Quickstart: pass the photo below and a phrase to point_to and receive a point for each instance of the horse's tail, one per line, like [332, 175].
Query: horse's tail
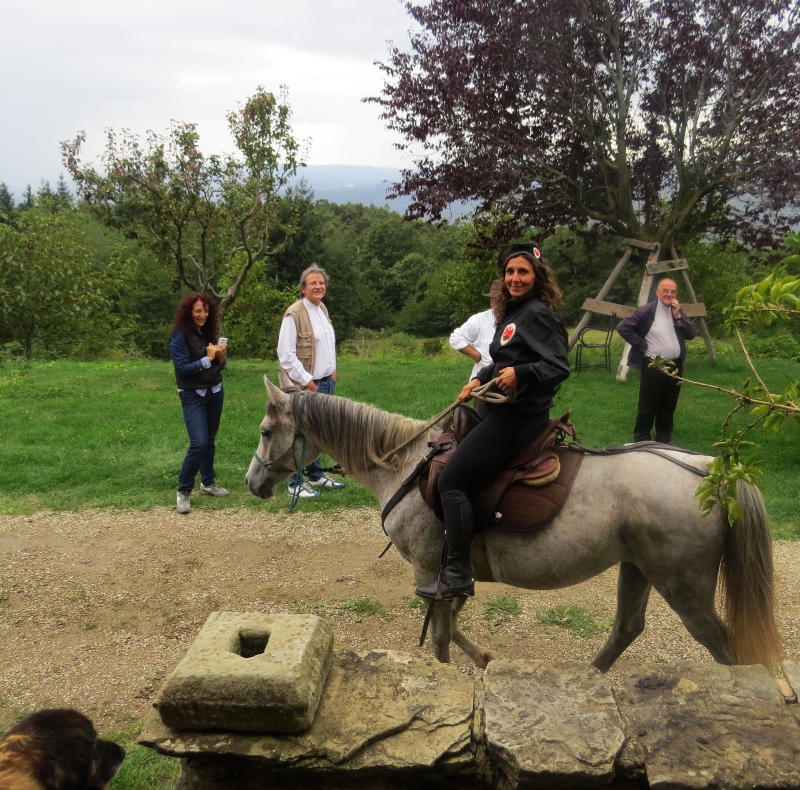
[747, 583]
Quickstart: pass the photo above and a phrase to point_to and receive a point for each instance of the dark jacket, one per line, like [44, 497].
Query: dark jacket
[533, 341]
[187, 352]
[635, 327]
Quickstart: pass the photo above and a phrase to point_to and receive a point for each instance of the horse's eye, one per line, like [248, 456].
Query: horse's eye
[265, 434]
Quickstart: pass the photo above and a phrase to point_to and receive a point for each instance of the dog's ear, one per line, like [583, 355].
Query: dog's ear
[108, 757]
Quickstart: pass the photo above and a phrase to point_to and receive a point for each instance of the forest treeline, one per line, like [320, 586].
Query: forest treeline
[71, 286]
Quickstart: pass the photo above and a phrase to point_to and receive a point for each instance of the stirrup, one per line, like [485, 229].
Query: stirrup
[442, 591]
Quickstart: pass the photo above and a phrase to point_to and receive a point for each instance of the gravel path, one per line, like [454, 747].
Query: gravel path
[96, 607]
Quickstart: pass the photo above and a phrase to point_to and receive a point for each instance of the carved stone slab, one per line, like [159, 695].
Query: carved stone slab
[709, 726]
[399, 713]
[250, 672]
[551, 724]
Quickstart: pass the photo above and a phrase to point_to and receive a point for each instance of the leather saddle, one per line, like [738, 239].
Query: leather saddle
[527, 494]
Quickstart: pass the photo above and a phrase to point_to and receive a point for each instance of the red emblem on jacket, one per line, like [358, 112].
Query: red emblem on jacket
[508, 333]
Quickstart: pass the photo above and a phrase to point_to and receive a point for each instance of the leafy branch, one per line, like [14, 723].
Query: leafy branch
[773, 298]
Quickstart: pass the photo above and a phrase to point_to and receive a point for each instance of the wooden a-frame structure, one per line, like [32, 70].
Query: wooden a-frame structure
[652, 268]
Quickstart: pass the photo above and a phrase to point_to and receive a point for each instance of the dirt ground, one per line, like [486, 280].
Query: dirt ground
[96, 607]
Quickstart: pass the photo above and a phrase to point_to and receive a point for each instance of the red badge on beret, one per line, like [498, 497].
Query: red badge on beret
[536, 253]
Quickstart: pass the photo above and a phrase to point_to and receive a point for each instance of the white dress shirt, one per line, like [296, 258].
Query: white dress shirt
[477, 331]
[324, 346]
[661, 339]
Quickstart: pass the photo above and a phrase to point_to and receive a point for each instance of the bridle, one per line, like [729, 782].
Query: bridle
[298, 436]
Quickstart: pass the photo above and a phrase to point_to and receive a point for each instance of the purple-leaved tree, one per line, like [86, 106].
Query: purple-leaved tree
[662, 120]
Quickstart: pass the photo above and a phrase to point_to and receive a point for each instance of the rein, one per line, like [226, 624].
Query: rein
[479, 393]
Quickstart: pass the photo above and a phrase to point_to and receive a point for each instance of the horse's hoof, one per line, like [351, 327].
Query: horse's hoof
[486, 657]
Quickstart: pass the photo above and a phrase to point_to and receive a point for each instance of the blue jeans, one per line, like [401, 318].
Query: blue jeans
[201, 416]
[313, 471]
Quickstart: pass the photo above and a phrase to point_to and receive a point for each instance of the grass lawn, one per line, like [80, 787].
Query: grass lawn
[102, 434]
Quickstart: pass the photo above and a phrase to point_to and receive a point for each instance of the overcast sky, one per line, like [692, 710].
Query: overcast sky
[71, 65]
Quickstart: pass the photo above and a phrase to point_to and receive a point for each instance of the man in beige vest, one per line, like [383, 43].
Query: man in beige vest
[307, 356]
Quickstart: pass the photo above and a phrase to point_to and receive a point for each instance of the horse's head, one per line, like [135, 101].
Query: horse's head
[280, 447]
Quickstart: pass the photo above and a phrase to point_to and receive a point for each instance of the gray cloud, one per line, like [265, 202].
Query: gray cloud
[138, 64]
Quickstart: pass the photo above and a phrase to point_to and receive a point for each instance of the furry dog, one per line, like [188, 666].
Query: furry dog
[57, 749]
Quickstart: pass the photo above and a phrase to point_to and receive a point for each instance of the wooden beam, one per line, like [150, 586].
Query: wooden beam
[584, 322]
[663, 267]
[644, 298]
[607, 308]
[642, 245]
[598, 306]
[694, 309]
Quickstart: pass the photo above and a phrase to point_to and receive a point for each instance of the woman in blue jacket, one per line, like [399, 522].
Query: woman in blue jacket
[198, 358]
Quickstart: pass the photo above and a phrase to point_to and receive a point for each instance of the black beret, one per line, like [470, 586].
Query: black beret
[524, 248]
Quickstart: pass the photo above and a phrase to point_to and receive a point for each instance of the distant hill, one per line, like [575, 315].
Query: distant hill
[358, 184]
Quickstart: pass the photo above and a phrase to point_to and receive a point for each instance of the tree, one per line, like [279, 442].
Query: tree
[210, 219]
[47, 287]
[773, 299]
[657, 119]
[6, 203]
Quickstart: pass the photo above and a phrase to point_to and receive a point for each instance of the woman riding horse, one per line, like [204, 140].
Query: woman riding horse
[530, 354]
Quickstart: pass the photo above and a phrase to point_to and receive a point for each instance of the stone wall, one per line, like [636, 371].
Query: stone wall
[390, 722]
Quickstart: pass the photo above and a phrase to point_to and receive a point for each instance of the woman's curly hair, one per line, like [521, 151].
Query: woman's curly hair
[183, 317]
[544, 288]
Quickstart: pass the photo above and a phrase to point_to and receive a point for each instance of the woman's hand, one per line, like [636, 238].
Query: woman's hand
[222, 354]
[507, 380]
[466, 391]
[211, 351]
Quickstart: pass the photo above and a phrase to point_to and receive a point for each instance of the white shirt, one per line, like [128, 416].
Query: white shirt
[477, 331]
[661, 339]
[324, 346]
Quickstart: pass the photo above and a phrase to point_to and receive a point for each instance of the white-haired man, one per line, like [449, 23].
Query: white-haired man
[658, 329]
[307, 356]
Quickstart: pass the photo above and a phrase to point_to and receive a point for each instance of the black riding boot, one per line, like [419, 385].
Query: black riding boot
[456, 577]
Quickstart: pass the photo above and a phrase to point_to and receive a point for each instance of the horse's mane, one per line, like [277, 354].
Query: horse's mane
[362, 434]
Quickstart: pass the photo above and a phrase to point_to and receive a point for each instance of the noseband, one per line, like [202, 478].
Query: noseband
[298, 436]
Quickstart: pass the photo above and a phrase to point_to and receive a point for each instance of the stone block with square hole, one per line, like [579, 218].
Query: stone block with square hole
[250, 672]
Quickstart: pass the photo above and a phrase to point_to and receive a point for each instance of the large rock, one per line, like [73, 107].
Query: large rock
[792, 671]
[250, 673]
[709, 726]
[404, 715]
[551, 725]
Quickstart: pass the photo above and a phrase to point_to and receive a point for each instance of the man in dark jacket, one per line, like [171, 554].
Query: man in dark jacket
[659, 329]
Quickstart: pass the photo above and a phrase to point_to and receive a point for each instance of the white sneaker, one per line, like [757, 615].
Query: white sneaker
[304, 491]
[214, 490]
[326, 482]
[184, 505]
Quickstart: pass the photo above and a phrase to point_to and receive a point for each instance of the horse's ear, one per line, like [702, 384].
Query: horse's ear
[277, 396]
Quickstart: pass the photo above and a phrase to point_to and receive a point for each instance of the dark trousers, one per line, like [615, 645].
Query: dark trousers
[486, 449]
[313, 471]
[658, 397]
[202, 416]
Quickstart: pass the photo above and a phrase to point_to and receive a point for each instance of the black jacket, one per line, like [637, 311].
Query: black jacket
[187, 352]
[533, 341]
[635, 327]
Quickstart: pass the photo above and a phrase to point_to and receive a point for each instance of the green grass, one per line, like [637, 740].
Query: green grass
[575, 619]
[502, 607]
[363, 606]
[110, 434]
[144, 768]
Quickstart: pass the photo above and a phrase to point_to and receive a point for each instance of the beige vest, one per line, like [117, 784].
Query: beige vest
[305, 342]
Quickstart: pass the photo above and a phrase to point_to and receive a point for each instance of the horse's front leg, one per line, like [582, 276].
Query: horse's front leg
[480, 656]
[441, 630]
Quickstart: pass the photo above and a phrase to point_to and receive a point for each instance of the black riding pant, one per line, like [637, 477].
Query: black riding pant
[486, 449]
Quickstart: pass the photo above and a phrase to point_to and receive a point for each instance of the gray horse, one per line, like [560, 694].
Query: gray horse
[635, 509]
